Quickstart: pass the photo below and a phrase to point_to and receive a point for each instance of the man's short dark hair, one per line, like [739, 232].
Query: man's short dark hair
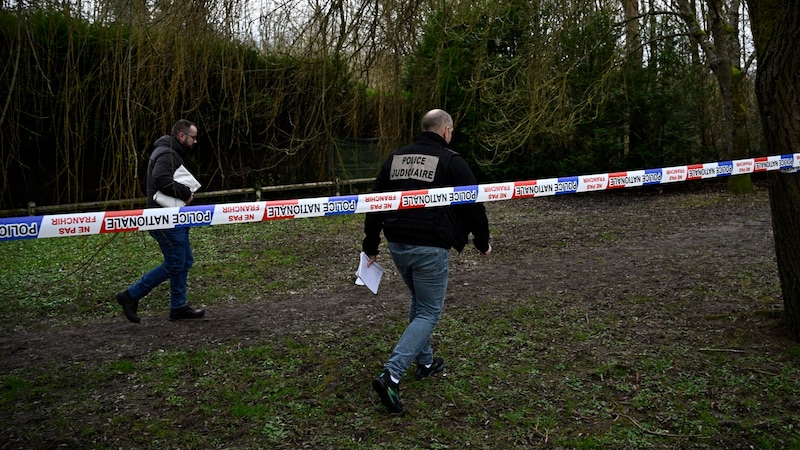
[182, 126]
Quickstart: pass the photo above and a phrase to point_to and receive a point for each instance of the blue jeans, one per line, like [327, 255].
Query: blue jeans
[178, 259]
[425, 271]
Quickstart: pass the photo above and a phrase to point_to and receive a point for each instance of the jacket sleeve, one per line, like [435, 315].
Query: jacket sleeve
[373, 221]
[474, 218]
[373, 224]
[163, 171]
[472, 215]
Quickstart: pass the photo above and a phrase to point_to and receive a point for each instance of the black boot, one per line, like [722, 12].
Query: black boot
[129, 305]
[187, 312]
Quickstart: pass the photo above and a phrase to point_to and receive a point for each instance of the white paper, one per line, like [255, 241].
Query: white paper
[166, 201]
[369, 276]
[184, 177]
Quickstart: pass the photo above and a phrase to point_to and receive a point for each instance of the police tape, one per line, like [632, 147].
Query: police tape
[62, 225]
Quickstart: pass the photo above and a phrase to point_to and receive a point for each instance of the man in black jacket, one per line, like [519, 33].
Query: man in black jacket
[167, 157]
[420, 240]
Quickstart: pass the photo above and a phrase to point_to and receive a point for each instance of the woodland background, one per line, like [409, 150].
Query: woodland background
[303, 90]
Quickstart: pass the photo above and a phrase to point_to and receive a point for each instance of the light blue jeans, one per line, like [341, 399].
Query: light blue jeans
[425, 271]
[178, 259]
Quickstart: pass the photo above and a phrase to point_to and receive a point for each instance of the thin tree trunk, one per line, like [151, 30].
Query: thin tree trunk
[740, 134]
[635, 56]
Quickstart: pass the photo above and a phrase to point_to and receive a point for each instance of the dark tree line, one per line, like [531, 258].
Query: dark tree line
[538, 89]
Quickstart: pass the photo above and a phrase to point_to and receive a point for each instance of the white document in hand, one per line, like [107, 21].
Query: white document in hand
[369, 276]
[184, 177]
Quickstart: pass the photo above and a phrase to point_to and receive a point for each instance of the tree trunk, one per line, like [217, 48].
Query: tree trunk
[741, 184]
[635, 58]
[776, 31]
[724, 57]
[784, 196]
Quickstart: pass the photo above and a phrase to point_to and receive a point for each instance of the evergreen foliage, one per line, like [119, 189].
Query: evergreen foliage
[537, 89]
[542, 92]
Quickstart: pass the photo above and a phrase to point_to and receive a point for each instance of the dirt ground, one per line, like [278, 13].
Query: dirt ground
[685, 246]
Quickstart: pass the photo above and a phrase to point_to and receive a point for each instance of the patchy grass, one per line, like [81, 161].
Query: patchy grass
[545, 349]
[311, 393]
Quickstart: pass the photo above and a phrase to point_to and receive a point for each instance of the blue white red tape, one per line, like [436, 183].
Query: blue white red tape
[62, 225]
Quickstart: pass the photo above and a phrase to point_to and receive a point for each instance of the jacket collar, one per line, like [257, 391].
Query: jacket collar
[431, 136]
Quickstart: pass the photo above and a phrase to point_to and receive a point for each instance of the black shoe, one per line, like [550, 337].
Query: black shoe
[187, 312]
[389, 391]
[129, 305]
[436, 366]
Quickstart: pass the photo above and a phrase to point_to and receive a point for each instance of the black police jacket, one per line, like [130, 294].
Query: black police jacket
[426, 164]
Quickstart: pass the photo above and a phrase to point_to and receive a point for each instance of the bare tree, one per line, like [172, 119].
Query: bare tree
[721, 44]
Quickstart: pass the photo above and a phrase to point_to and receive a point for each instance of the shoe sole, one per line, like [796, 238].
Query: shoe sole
[173, 318]
[386, 401]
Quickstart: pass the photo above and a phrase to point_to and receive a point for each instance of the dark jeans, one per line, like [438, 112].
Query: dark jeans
[178, 259]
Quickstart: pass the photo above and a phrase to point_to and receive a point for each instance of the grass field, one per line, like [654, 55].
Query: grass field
[533, 361]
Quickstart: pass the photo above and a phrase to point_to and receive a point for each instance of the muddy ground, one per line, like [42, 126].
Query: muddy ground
[701, 261]
[686, 244]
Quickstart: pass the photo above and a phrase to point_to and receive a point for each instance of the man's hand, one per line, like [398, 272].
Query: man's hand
[371, 260]
[489, 250]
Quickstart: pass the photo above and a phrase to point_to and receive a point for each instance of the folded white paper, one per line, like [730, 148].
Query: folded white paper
[166, 201]
[369, 276]
[184, 177]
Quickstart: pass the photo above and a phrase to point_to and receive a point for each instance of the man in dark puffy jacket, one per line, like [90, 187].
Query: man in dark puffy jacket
[168, 155]
[420, 240]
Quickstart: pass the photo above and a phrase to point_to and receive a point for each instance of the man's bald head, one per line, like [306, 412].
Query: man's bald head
[438, 121]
